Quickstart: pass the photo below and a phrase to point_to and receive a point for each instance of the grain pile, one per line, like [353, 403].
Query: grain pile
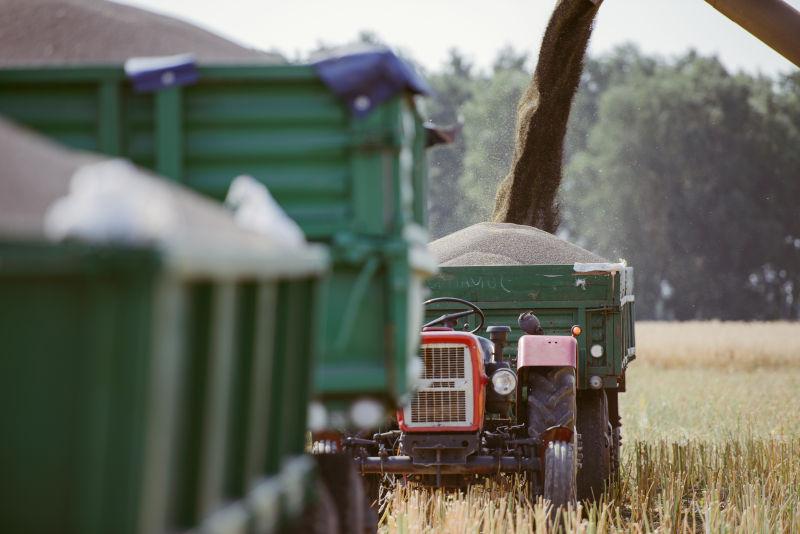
[507, 244]
[42, 32]
[527, 195]
[35, 172]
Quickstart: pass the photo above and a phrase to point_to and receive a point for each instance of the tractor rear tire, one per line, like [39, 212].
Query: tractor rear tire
[559, 474]
[551, 402]
[596, 442]
[551, 399]
[339, 474]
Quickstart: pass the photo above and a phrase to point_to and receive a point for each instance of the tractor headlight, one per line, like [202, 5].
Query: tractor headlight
[596, 351]
[504, 381]
[367, 413]
[317, 417]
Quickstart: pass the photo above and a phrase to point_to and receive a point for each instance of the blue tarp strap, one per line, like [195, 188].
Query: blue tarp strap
[367, 79]
[150, 74]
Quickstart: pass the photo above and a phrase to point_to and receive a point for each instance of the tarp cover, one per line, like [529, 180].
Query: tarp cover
[366, 79]
[507, 244]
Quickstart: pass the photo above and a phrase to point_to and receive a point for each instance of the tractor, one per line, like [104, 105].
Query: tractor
[475, 415]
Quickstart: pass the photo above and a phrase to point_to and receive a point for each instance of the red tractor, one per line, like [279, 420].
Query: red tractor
[474, 415]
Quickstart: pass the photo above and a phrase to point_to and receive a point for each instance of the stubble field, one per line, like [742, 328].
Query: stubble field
[711, 429]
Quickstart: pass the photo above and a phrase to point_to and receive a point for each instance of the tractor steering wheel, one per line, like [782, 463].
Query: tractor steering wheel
[455, 315]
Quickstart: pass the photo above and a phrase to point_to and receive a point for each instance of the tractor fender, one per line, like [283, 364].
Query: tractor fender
[547, 351]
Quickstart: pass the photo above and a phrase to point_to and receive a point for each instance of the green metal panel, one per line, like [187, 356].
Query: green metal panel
[374, 316]
[350, 182]
[169, 153]
[560, 297]
[109, 126]
[280, 124]
[119, 384]
[65, 403]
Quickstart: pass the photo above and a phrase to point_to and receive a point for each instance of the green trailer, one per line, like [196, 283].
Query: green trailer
[599, 299]
[140, 363]
[354, 183]
[135, 384]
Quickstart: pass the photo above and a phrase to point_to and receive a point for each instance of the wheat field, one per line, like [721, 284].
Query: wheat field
[711, 423]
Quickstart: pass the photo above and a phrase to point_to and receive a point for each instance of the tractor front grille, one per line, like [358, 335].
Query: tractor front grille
[443, 362]
[445, 396]
[444, 406]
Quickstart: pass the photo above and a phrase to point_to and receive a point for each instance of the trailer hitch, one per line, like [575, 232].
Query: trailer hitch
[523, 442]
[391, 435]
[475, 465]
[505, 436]
[349, 442]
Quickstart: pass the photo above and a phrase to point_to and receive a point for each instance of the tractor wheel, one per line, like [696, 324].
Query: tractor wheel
[347, 489]
[372, 490]
[551, 399]
[551, 402]
[616, 433]
[320, 517]
[616, 451]
[559, 474]
[596, 441]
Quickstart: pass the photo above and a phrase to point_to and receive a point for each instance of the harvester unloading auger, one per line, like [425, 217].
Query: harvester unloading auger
[528, 194]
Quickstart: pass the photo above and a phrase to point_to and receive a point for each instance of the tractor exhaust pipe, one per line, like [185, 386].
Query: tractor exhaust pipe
[773, 22]
[498, 335]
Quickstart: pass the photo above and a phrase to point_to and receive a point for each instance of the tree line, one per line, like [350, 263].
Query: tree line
[689, 172]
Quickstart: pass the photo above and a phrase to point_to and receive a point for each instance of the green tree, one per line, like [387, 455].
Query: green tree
[686, 173]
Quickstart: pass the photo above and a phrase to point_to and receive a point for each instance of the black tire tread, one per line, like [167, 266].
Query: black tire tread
[596, 440]
[339, 474]
[551, 402]
[372, 491]
[551, 399]
[320, 517]
[559, 474]
[616, 453]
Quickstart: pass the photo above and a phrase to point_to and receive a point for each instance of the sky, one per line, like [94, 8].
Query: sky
[428, 29]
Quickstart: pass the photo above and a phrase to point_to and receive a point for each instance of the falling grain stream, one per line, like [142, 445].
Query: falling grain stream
[527, 195]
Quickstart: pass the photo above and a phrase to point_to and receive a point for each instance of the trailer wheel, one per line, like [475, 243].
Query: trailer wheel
[616, 451]
[320, 517]
[339, 473]
[616, 433]
[559, 474]
[551, 402]
[596, 441]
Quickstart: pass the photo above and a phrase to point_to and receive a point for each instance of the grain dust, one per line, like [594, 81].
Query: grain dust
[507, 244]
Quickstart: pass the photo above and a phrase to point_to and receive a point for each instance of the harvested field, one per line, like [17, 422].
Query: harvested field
[731, 346]
[102, 32]
[507, 244]
[708, 447]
